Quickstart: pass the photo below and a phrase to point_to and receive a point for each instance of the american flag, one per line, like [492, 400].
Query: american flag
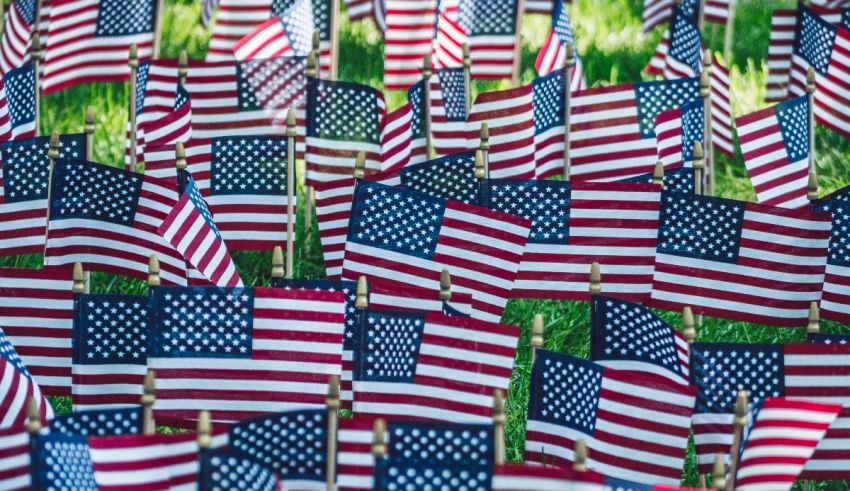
[676, 131]
[810, 372]
[106, 218]
[17, 387]
[173, 127]
[491, 28]
[824, 47]
[835, 304]
[18, 94]
[450, 177]
[684, 51]
[190, 228]
[224, 469]
[445, 367]
[403, 138]
[240, 352]
[99, 422]
[679, 180]
[288, 34]
[783, 26]
[612, 129]
[408, 38]
[17, 33]
[448, 111]
[629, 337]
[418, 453]
[90, 40]
[720, 93]
[449, 38]
[656, 12]
[609, 401]
[737, 260]
[529, 477]
[15, 459]
[355, 462]
[779, 439]
[775, 147]
[343, 119]
[553, 54]
[407, 238]
[109, 350]
[575, 224]
[548, 116]
[62, 461]
[36, 312]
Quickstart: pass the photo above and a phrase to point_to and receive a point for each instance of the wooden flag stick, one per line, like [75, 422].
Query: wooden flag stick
[148, 398]
[317, 49]
[517, 59]
[379, 447]
[445, 285]
[332, 404]
[699, 167]
[499, 420]
[204, 439]
[312, 72]
[537, 328]
[569, 63]
[157, 29]
[595, 279]
[79, 277]
[658, 174]
[153, 272]
[810, 93]
[740, 422]
[182, 67]
[361, 300]
[52, 155]
[278, 270]
[290, 191]
[88, 129]
[360, 165]
[467, 78]
[334, 39]
[813, 326]
[690, 331]
[134, 74]
[708, 147]
[484, 146]
[718, 474]
[36, 61]
[426, 102]
[730, 32]
[480, 175]
[33, 425]
[812, 186]
[580, 457]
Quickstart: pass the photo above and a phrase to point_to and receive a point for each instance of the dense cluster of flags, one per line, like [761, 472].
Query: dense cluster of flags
[431, 217]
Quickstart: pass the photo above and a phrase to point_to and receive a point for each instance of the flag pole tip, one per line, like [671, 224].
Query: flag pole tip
[362, 299]
[277, 262]
[658, 173]
[445, 285]
[153, 271]
[595, 279]
[79, 278]
[537, 327]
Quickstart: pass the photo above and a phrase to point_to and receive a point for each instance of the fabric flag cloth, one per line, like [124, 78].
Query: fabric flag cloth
[173, 127]
[225, 469]
[717, 11]
[403, 139]
[676, 132]
[736, 260]
[609, 400]
[450, 177]
[62, 461]
[15, 459]
[575, 224]
[720, 95]
[629, 337]
[679, 180]
[190, 228]
[17, 386]
[106, 218]
[683, 57]
[17, 101]
[343, 119]
[656, 12]
[36, 312]
[529, 477]
[540, 6]
[553, 54]
[90, 41]
[826, 48]
[836, 287]
[612, 129]
[408, 38]
[208, 8]
[448, 111]
[288, 34]
[23, 190]
[778, 440]
[17, 33]
[407, 238]
[99, 422]
[783, 26]
[255, 350]
[812, 372]
[775, 147]
[490, 27]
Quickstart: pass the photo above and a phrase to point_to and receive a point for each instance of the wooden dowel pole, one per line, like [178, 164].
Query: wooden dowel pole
[361, 300]
[157, 29]
[332, 404]
[699, 168]
[740, 421]
[148, 399]
[35, 55]
[133, 133]
[689, 325]
[290, 192]
[379, 447]
[445, 285]
[499, 420]
[79, 277]
[570, 62]
[537, 333]
[580, 457]
[708, 146]
[730, 32]
[517, 59]
[810, 94]
[52, 155]
[88, 129]
[312, 72]
[182, 68]
[334, 41]
[467, 79]
[718, 474]
[595, 279]
[658, 174]
[484, 146]
[33, 425]
[153, 272]
[278, 270]
[426, 103]
[813, 326]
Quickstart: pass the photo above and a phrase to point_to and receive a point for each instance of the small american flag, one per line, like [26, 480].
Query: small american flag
[775, 147]
[106, 218]
[684, 52]
[450, 177]
[240, 352]
[835, 302]
[491, 28]
[575, 224]
[783, 25]
[17, 388]
[779, 439]
[355, 462]
[553, 54]
[224, 469]
[509, 115]
[530, 477]
[15, 459]
[559, 413]
[448, 111]
[62, 462]
[36, 312]
[343, 119]
[170, 128]
[548, 116]
[403, 139]
[613, 128]
[15, 43]
[629, 337]
[17, 92]
[109, 350]
[676, 131]
[408, 38]
[288, 34]
[737, 260]
[190, 228]
[90, 40]
[99, 422]
[407, 238]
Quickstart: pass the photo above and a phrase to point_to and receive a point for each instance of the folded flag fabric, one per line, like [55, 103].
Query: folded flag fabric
[173, 127]
[657, 12]
[408, 38]
[17, 34]
[783, 25]
[450, 177]
[448, 111]
[490, 29]
[289, 33]
[573, 399]
[18, 386]
[834, 301]
[676, 132]
[15, 459]
[403, 139]
[553, 54]
[17, 103]
[737, 260]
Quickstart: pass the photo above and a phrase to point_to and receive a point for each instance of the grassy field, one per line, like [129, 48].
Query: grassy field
[613, 49]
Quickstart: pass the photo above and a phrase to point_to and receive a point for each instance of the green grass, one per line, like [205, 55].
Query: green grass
[613, 49]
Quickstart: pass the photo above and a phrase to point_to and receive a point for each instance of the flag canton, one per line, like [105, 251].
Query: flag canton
[297, 22]
[293, 444]
[561, 24]
[719, 371]
[274, 83]
[453, 91]
[700, 227]
[450, 177]
[348, 288]
[225, 471]
[689, 9]
[20, 95]
[180, 97]
[453, 312]
[548, 101]
[486, 17]
[111, 329]
[685, 42]
[344, 111]
[628, 331]
[659, 96]
[679, 180]
[125, 17]
[612, 484]
[389, 347]
[141, 85]
[545, 203]
[839, 240]
[249, 165]
[397, 220]
[845, 18]
[793, 118]
[202, 322]
[565, 391]
[27, 10]
[692, 128]
[8, 353]
[197, 200]
[842, 194]
[87, 190]
[322, 18]
[815, 39]
[842, 339]
[26, 166]
[99, 422]
[63, 462]
[417, 111]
